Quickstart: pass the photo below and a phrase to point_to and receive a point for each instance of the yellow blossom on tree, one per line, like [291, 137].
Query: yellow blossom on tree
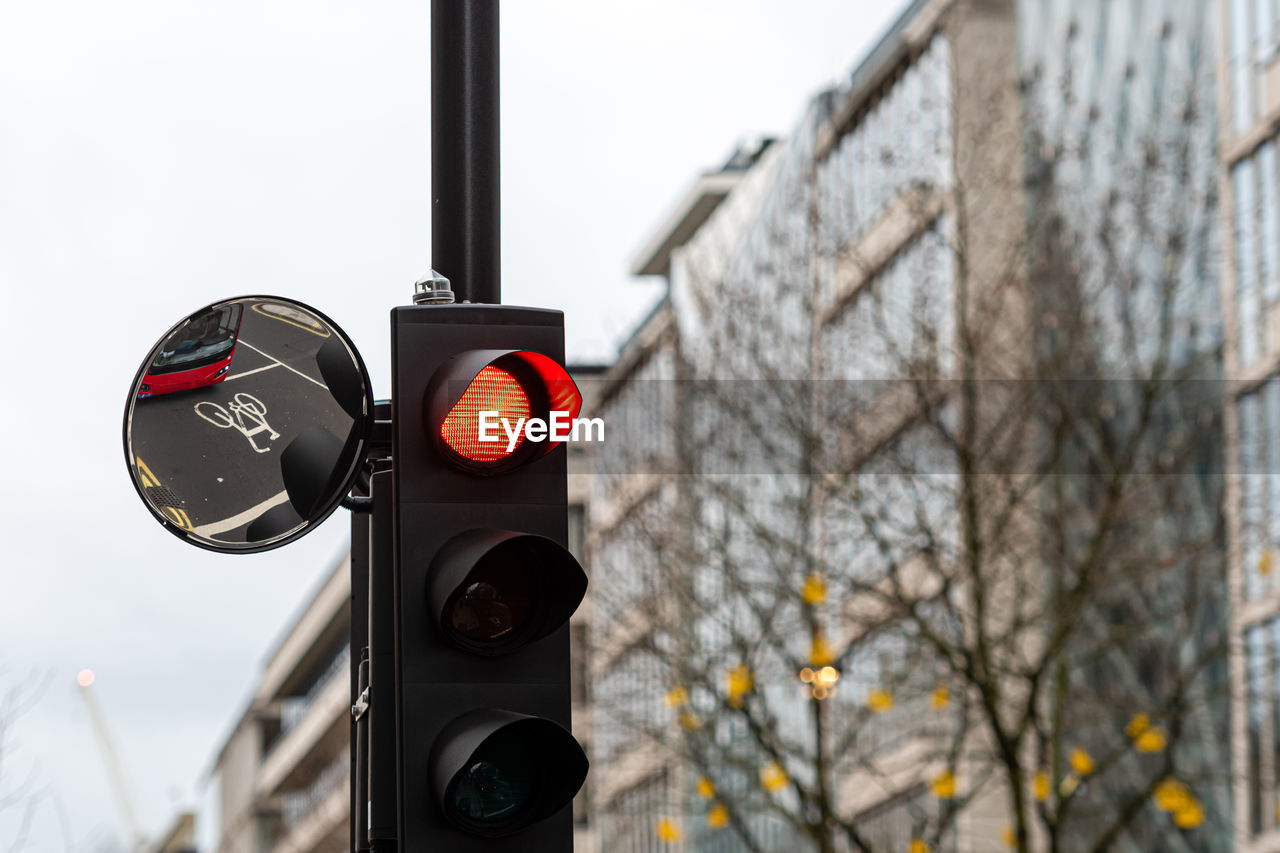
[773, 777]
[814, 589]
[676, 697]
[918, 846]
[1189, 815]
[1137, 724]
[1081, 762]
[944, 785]
[1264, 563]
[879, 700]
[706, 789]
[1171, 795]
[718, 817]
[941, 697]
[821, 653]
[668, 832]
[1152, 740]
[1009, 837]
[740, 683]
[1146, 738]
[688, 721]
[1040, 786]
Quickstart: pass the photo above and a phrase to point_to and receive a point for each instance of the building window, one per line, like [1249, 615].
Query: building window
[578, 532]
[1264, 29]
[1252, 497]
[1262, 722]
[1249, 331]
[580, 662]
[1259, 477]
[1242, 76]
[1269, 195]
[896, 823]
[632, 817]
[582, 801]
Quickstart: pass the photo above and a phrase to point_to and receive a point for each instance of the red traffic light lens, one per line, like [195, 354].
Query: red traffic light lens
[493, 390]
[523, 390]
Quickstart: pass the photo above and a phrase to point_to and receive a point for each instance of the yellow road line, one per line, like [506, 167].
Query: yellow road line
[317, 329]
[149, 480]
[179, 517]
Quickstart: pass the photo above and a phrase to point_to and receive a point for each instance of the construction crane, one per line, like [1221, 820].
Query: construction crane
[111, 759]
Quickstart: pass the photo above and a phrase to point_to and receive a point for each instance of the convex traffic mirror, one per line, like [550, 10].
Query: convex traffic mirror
[247, 423]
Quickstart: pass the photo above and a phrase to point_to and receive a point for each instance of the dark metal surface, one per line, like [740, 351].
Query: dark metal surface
[383, 753]
[465, 222]
[359, 673]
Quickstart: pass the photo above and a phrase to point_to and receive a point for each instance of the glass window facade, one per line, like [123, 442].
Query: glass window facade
[894, 825]
[1253, 28]
[1243, 99]
[1121, 101]
[1269, 221]
[1122, 59]
[1262, 672]
[878, 160]
[902, 319]
[1255, 207]
[1244, 189]
[1259, 477]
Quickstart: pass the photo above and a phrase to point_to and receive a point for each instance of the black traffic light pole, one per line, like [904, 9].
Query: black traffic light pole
[484, 584]
[465, 247]
[470, 581]
[465, 220]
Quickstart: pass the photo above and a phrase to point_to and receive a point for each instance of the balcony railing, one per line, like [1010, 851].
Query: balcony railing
[297, 806]
[293, 709]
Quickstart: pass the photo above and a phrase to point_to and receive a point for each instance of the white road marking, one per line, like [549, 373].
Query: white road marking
[251, 372]
[245, 407]
[282, 364]
[216, 527]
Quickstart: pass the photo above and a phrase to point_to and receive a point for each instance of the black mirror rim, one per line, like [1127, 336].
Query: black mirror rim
[363, 425]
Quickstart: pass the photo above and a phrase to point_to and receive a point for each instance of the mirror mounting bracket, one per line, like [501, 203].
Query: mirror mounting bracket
[377, 452]
[357, 503]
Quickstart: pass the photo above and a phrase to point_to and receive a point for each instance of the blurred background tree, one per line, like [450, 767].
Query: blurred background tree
[910, 532]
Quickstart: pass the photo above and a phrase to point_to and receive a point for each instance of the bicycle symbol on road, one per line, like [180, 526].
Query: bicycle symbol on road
[245, 407]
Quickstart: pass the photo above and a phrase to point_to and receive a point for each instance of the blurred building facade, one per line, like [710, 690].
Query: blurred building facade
[863, 203]
[282, 776]
[1249, 119]
[178, 837]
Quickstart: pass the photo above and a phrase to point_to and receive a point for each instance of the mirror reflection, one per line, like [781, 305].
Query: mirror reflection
[246, 423]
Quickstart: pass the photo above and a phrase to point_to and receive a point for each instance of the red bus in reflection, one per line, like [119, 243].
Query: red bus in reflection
[198, 354]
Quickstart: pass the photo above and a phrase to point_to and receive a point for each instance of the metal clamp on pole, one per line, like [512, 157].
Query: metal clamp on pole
[361, 705]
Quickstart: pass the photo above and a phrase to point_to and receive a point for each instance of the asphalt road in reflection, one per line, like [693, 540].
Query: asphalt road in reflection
[211, 456]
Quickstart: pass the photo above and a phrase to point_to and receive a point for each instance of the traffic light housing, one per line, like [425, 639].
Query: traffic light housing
[485, 584]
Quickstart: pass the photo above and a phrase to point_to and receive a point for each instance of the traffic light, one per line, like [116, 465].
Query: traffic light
[485, 584]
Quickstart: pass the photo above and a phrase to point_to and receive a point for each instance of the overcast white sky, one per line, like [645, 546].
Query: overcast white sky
[157, 156]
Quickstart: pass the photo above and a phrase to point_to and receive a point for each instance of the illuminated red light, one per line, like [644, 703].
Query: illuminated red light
[493, 390]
